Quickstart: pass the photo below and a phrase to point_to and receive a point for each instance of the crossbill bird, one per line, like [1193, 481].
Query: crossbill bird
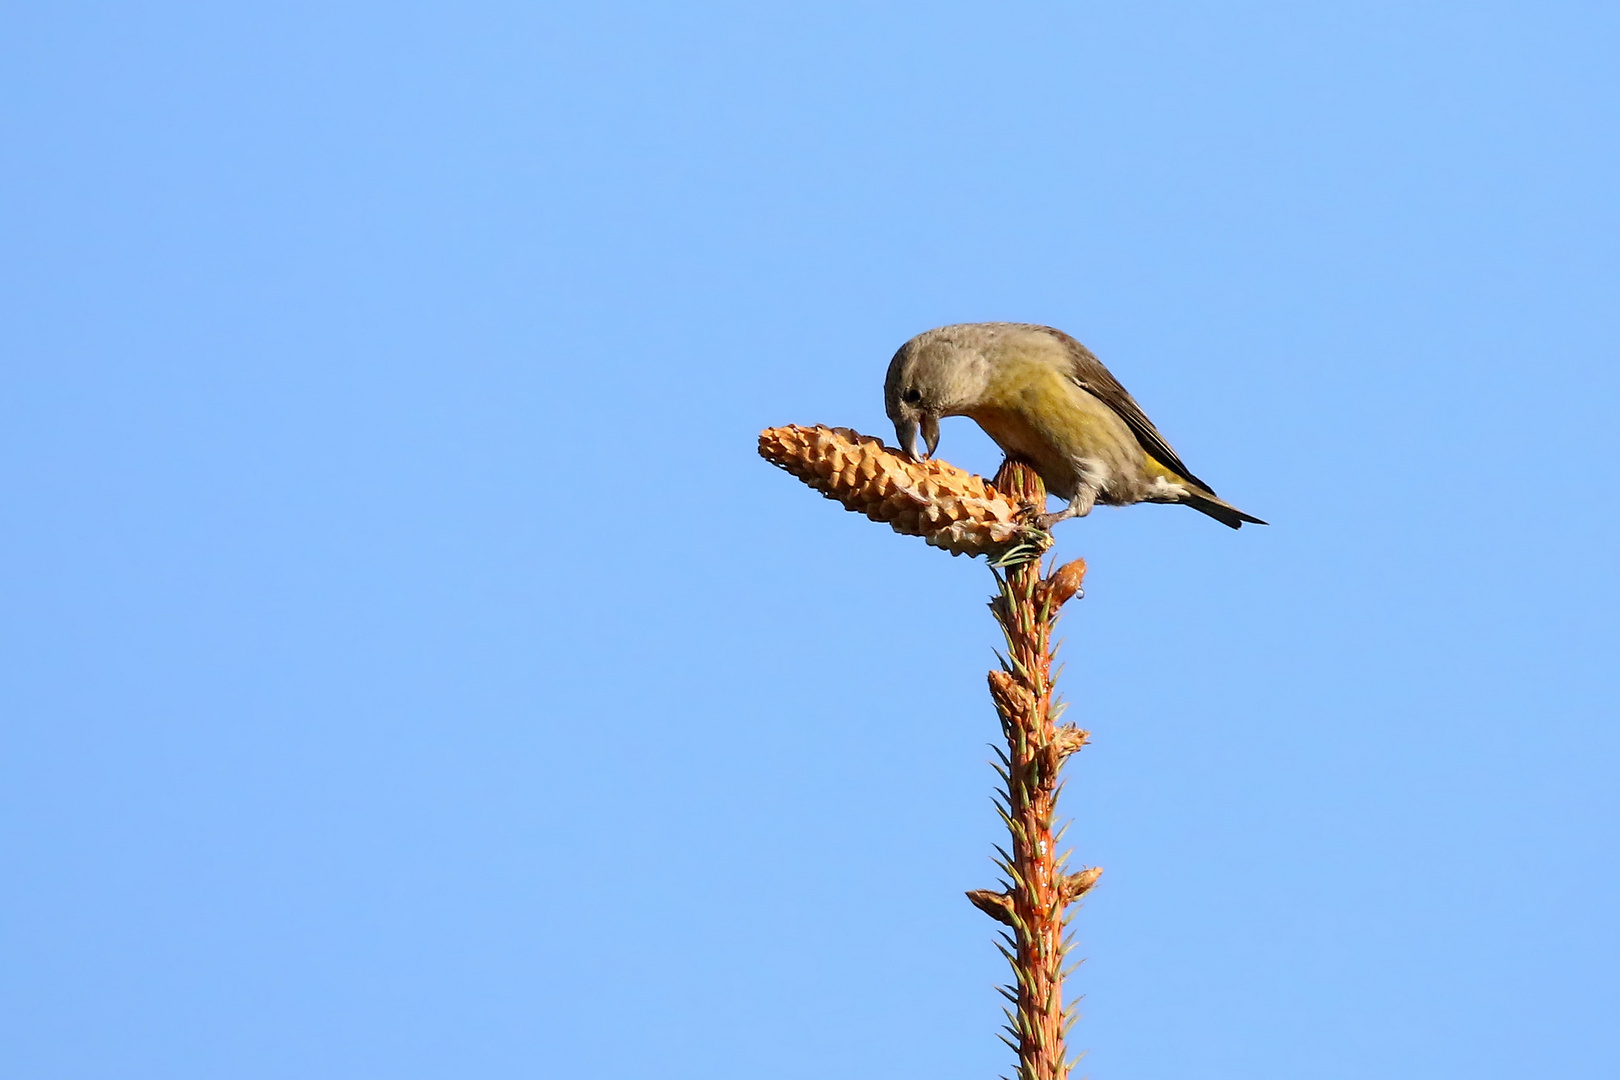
[1044, 398]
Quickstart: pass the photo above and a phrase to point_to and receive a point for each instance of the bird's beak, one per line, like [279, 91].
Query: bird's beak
[930, 432]
[905, 432]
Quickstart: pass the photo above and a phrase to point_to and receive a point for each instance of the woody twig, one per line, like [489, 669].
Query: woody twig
[1037, 888]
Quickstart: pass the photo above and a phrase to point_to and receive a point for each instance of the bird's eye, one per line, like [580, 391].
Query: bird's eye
[912, 396]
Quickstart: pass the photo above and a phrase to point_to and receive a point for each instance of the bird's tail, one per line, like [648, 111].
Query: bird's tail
[1224, 512]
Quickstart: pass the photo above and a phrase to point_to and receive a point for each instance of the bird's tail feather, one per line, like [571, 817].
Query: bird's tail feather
[1221, 511]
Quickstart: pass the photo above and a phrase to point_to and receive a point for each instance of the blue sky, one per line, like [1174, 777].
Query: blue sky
[410, 670]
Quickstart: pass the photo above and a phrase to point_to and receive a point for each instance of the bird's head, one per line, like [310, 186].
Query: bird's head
[940, 373]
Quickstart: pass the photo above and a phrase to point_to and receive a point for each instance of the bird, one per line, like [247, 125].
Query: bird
[1047, 400]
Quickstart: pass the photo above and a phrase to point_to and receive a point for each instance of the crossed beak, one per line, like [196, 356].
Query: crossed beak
[905, 430]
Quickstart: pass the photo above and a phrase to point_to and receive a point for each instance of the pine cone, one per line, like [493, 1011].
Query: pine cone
[944, 505]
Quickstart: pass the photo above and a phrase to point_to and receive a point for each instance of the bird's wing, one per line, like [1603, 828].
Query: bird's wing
[1099, 382]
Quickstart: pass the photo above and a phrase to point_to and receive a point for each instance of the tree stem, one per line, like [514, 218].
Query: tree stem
[1037, 888]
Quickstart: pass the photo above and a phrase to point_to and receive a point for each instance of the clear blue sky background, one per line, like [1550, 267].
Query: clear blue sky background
[410, 670]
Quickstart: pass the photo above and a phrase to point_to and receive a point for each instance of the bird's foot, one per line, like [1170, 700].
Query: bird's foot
[1080, 506]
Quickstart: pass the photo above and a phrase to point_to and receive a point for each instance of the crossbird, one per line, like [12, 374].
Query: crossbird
[1045, 399]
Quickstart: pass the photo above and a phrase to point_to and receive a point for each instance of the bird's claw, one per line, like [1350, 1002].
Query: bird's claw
[1080, 506]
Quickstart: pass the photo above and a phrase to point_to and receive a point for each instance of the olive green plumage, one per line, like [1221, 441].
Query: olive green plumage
[1045, 398]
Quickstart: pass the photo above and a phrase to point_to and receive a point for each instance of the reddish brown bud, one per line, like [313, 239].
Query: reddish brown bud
[1012, 701]
[1065, 582]
[1068, 738]
[1065, 741]
[994, 904]
[1074, 886]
